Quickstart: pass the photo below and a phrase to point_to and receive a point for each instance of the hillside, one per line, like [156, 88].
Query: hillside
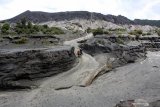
[148, 22]
[39, 17]
[66, 59]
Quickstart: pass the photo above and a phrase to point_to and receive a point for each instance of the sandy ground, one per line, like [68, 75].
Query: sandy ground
[140, 80]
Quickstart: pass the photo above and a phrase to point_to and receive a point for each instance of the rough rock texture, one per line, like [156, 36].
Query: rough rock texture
[138, 103]
[117, 53]
[27, 65]
[150, 42]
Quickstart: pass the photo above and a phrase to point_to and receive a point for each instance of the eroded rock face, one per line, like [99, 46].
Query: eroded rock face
[121, 53]
[20, 65]
[151, 43]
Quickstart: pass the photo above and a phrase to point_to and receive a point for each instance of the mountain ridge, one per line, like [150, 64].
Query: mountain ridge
[39, 17]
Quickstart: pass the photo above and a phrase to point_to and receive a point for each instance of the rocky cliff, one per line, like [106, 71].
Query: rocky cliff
[116, 53]
[21, 67]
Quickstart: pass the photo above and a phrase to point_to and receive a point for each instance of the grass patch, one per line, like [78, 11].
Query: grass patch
[119, 40]
[56, 30]
[98, 31]
[118, 29]
[136, 32]
[22, 40]
[158, 31]
[148, 33]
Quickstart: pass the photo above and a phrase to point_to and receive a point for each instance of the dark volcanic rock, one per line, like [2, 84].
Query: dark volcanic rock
[29, 65]
[138, 103]
[155, 103]
[122, 53]
[151, 43]
[128, 103]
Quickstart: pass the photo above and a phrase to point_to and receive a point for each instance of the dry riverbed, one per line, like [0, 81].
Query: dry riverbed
[140, 80]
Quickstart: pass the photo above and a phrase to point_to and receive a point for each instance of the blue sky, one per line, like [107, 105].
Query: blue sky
[142, 9]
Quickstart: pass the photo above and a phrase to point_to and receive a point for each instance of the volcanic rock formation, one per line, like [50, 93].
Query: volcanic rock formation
[117, 54]
[19, 67]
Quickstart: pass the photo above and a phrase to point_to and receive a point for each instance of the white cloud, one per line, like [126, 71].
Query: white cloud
[147, 12]
[130, 8]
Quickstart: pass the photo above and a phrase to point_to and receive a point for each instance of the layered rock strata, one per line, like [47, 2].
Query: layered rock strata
[21, 66]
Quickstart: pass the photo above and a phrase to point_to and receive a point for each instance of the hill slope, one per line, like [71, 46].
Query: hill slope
[38, 17]
[148, 22]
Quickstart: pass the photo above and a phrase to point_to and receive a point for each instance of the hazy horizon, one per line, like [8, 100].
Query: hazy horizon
[132, 9]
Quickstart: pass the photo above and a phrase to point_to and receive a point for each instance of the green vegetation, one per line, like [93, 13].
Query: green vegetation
[22, 40]
[26, 27]
[98, 31]
[118, 29]
[101, 42]
[136, 32]
[89, 30]
[56, 30]
[50, 30]
[158, 32]
[120, 40]
[5, 28]
[144, 34]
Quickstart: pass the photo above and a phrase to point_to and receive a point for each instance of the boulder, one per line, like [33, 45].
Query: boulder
[138, 103]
